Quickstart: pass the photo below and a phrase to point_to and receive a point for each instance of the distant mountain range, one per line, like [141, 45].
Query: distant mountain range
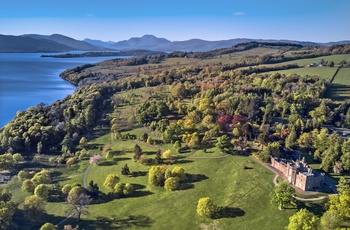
[31, 43]
[61, 43]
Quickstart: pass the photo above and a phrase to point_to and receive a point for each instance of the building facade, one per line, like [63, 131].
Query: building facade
[299, 173]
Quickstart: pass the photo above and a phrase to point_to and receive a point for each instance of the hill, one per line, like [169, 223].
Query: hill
[99, 43]
[64, 40]
[150, 42]
[13, 44]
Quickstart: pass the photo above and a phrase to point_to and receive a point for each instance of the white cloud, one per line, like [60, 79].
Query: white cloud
[239, 13]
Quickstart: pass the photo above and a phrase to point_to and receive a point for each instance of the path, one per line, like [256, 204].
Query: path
[279, 174]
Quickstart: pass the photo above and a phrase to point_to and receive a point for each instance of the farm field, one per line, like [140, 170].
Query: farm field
[323, 72]
[340, 88]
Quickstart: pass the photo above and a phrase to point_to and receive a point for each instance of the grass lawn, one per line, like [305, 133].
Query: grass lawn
[340, 88]
[245, 192]
[322, 72]
[224, 180]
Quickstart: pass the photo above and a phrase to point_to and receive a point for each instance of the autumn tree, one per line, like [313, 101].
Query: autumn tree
[206, 207]
[110, 181]
[283, 194]
[172, 183]
[156, 175]
[65, 189]
[83, 142]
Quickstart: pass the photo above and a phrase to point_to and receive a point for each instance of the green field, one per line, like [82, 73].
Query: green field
[335, 58]
[323, 72]
[245, 191]
[340, 89]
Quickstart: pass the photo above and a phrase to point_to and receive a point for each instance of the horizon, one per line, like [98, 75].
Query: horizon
[106, 41]
[106, 20]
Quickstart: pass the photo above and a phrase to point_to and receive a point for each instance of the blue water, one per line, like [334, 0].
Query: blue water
[26, 80]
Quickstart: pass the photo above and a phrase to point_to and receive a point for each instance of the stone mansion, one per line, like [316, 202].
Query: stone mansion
[299, 173]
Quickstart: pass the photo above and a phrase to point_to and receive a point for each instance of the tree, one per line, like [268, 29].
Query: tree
[303, 220]
[83, 142]
[118, 189]
[167, 154]
[42, 177]
[291, 139]
[158, 158]
[42, 191]
[65, 189]
[283, 194]
[343, 186]
[179, 91]
[93, 189]
[341, 204]
[22, 175]
[5, 195]
[330, 220]
[32, 206]
[172, 183]
[111, 180]
[17, 157]
[194, 141]
[125, 170]
[94, 159]
[7, 210]
[128, 189]
[179, 172]
[137, 152]
[39, 147]
[78, 202]
[223, 143]
[28, 185]
[206, 207]
[48, 226]
[155, 176]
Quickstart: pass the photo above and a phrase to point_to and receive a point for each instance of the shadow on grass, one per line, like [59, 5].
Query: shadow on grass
[196, 177]
[138, 186]
[121, 158]
[114, 222]
[106, 163]
[138, 173]
[185, 186]
[182, 161]
[229, 212]
[316, 208]
[139, 193]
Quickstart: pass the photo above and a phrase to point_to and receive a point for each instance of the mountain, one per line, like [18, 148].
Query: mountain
[64, 40]
[150, 42]
[98, 43]
[20, 44]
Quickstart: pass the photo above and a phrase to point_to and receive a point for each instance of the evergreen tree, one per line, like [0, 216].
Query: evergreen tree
[125, 170]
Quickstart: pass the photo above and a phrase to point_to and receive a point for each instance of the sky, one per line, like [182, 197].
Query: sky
[178, 20]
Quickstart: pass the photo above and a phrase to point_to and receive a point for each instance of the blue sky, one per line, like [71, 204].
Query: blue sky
[307, 20]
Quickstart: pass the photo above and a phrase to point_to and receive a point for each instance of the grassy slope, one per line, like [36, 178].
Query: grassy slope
[323, 72]
[228, 184]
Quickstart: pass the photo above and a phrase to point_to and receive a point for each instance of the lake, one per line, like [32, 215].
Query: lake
[26, 79]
